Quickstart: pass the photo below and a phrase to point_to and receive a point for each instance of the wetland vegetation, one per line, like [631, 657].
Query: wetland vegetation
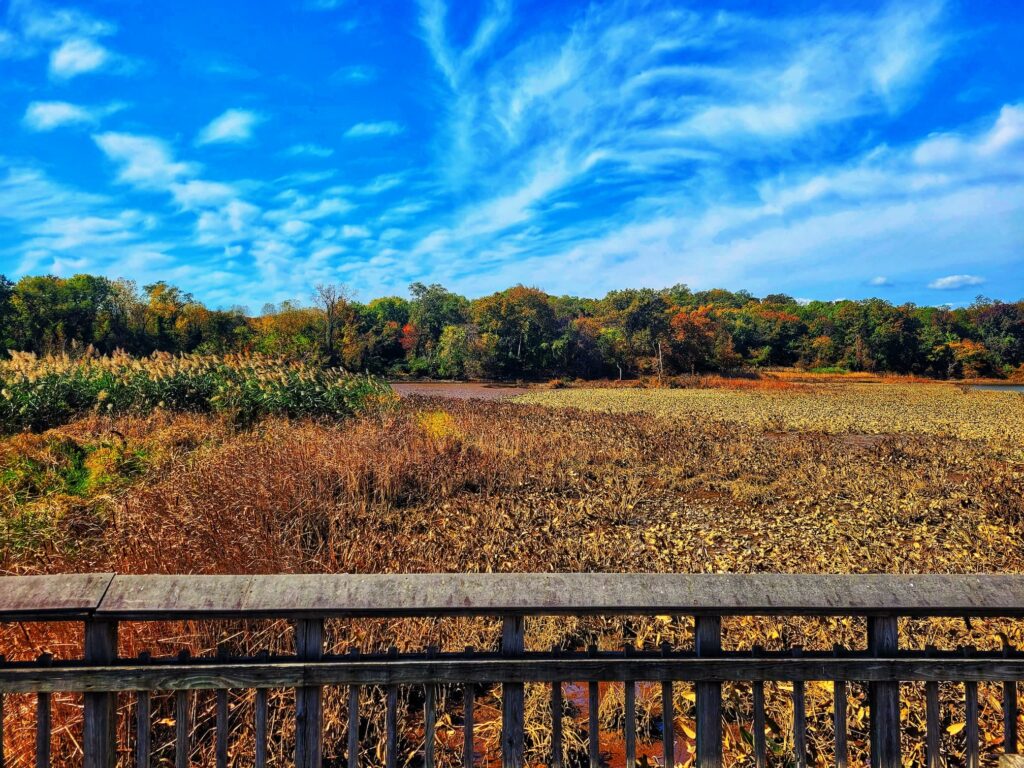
[787, 472]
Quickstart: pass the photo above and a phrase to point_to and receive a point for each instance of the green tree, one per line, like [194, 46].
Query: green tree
[522, 324]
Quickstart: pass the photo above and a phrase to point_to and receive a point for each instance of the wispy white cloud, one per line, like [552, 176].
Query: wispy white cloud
[955, 282]
[613, 121]
[350, 230]
[39, 21]
[356, 73]
[73, 232]
[231, 127]
[367, 130]
[309, 150]
[8, 44]
[76, 56]
[143, 161]
[198, 193]
[47, 115]
[603, 144]
[455, 63]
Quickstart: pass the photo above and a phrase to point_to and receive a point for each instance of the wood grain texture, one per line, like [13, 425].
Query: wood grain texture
[353, 726]
[309, 646]
[760, 739]
[839, 701]
[143, 732]
[391, 728]
[468, 745]
[557, 706]
[429, 724]
[884, 696]
[3, 753]
[668, 718]
[1011, 710]
[933, 719]
[799, 725]
[513, 726]
[322, 595]
[594, 724]
[972, 745]
[221, 749]
[99, 738]
[261, 728]
[46, 598]
[707, 636]
[290, 674]
[182, 729]
[629, 696]
[43, 720]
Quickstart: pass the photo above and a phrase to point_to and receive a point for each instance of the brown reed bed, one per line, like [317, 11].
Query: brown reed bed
[443, 485]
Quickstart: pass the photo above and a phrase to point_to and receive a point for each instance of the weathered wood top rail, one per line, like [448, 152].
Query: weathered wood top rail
[110, 597]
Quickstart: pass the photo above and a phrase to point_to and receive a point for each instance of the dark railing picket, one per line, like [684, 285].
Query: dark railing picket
[100, 737]
[1010, 708]
[556, 724]
[839, 694]
[760, 745]
[839, 723]
[353, 718]
[143, 722]
[513, 730]
[468, 744]
[391, 727]
[221, 749]
[3, 754]
[708, 642]
[309, 646]
[799, 721]
[43, 719]
[668, 736]
[429, 724]
[972, 755]
[933, 720]
[884, 697]
[629, 697]
[142, 729]
[182, 726]
[260, 724]
[594, 723]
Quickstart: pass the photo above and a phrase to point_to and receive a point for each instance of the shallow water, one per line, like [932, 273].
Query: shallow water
[999, 387]
[460, 390]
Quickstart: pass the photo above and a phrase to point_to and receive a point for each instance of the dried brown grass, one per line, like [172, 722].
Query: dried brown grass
[473, 486]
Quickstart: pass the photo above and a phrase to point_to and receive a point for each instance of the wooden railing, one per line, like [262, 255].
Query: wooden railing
[102, 601]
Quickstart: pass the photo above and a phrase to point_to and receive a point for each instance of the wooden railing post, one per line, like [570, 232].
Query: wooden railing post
[513, 746]
[100, 737]
[884, 698]
[708, 642]
[309, 646]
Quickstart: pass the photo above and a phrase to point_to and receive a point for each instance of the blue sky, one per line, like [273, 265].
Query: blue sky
[247, 151]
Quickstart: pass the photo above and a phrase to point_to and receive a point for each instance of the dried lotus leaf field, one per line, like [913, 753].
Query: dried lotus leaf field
[866, 407]
[847, 478]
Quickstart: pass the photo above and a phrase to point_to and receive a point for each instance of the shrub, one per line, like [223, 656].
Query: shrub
[40, 393]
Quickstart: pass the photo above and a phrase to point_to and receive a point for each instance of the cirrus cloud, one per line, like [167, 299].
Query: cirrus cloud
[231, 127]
[368, 130]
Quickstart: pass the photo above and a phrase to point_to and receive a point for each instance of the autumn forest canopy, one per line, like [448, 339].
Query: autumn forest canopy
[521, 332]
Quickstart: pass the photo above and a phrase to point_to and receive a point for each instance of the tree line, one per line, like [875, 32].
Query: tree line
[522, 332]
